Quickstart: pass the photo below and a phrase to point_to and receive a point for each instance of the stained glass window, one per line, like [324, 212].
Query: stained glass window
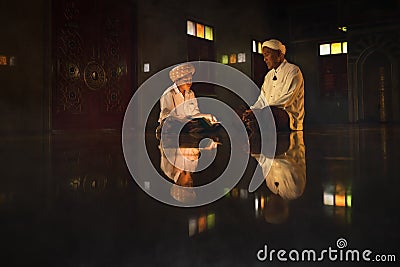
[338, 198]
[257, 46]
[333, 48]
[200, 30]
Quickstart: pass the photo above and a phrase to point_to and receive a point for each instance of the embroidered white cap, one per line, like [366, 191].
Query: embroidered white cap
[181, 71]
[275, 44]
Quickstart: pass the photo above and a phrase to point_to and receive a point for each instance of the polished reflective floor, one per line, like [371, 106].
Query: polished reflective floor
[68, 199]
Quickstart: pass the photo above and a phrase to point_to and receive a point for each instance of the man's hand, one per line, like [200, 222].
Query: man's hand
[211, 118]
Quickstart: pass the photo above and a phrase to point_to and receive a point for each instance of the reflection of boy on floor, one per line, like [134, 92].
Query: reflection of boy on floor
[178, 164]
[179, 104]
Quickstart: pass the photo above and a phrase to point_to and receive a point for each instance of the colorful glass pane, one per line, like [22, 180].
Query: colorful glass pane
[209, 33]
[340, 200]
[199, 30]
[348, 200]
[324, 49]
[344, 47]
[192, 227]
[191, 29]
[3, 60]
[241, 57]
[328, 199]
[254, 46]
[210, 221]
[232, 59]
[146, 67]
[225, 59]
[202, 224]
[259, 47]
[262, 202]
[336, 48]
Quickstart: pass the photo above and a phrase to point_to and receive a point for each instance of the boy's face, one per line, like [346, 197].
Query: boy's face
[185, 82]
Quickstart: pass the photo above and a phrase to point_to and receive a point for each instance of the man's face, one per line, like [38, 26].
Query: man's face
[185, 82]
[273, 58]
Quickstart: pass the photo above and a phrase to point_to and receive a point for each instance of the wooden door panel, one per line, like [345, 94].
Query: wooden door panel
[259, 69]
[201, 50]
[92, 62]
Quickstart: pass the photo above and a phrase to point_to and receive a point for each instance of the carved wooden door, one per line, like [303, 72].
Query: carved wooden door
[92, 84]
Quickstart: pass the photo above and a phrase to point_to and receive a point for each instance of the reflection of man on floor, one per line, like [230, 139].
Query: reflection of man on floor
[285, 176]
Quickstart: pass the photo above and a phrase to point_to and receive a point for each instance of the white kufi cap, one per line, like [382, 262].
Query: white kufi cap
[181, 71]
[275, 44]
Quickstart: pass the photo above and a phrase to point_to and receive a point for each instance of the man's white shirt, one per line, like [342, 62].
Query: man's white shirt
[286, 92]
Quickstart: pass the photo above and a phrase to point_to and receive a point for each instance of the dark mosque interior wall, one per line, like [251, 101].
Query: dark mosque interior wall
[159, 34]
[24, 86]
[162, 38]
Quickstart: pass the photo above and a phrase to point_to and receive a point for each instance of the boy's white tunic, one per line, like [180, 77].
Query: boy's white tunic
[174, 103]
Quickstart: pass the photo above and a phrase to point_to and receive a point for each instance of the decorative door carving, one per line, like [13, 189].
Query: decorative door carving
[92, 84]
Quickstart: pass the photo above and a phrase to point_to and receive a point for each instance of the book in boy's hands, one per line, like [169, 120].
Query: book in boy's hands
[211, 122]
[205, 121]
